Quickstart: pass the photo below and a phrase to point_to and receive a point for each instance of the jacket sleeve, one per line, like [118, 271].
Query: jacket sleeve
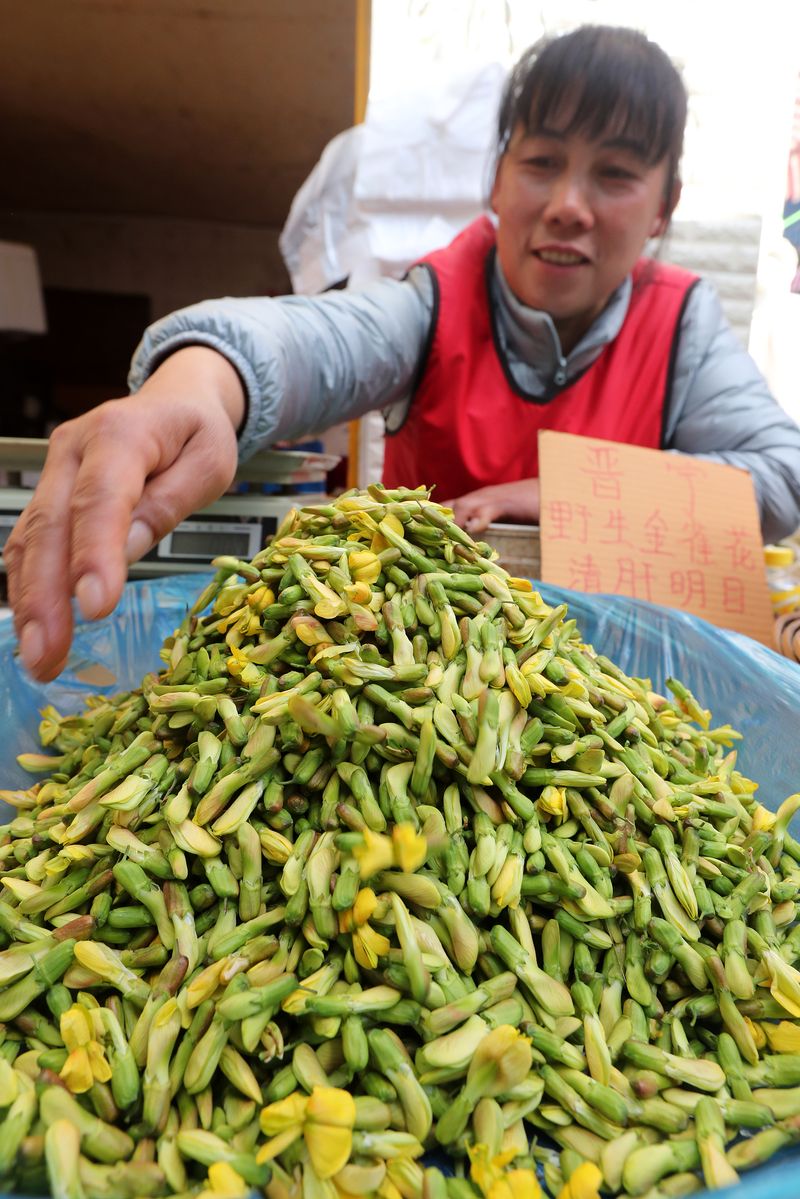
[721, 408]
[306, 363]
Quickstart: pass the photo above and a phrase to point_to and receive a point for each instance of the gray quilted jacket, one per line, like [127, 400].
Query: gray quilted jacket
[311, 362]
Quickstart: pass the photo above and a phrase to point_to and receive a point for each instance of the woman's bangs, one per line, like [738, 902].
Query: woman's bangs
[603, 108]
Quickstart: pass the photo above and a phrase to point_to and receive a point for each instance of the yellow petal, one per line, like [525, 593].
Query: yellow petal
[523, 1184]
[284, 1113]
[365, 904]
[365, 566]
[393, 523]
[489, 1174]
[368, 946]
[553, 800]
[756, 1032]
[783, 1037]
[331, 1105]
[480, 1170]
[584, 1183]
[410, 847]
[375, 854]
[328, 1147]
[77, 1071]
[277, 1145]
[75, 1027]
[347, 922]
[509, 1052]
[784, 981]
[763, 818]
[97, 1061]
[204, 984]
[224, 1180]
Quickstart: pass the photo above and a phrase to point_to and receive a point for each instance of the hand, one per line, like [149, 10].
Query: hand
[517, 502]
[115, 481]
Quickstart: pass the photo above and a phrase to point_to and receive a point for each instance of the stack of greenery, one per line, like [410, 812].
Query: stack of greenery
[387, 861]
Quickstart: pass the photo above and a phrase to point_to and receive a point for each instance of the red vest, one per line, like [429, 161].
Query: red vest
[469, 425]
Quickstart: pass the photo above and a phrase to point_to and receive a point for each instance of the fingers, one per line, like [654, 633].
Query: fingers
[108, 487]
[474, 512]
[115, 481]
[517, 501]
[198, 476]
[481, 517]
[137, 481]
[37, 557]
[72, 535]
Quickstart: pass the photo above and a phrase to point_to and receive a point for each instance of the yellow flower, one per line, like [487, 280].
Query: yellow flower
[507, 886]
[365, 566]
[552, 802]
[410, 847]
[406, 848]
[283, 1122]
[325, 1120]
[376, 853]
[368, 946]
[224, 1183]
[584, 1183]
[757, 1032]
[496, 1182]
[86, 1063]
[763, 818]
[517, 1184]
[365, 904]
[284, 1113]
[501, 1060]
[236, 662]
[783, 1037]
[261, 598]
[483, 1168]
[328, 1132]
[784, 981]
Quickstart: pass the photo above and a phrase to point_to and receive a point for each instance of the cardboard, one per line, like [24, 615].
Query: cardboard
[670, 528]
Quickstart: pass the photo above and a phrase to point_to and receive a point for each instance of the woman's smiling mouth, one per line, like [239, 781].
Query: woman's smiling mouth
[555, 256]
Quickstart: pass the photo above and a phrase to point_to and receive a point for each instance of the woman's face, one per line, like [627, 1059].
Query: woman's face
[573, 217]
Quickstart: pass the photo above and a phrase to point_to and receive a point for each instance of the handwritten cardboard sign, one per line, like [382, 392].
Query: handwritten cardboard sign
[669, 528]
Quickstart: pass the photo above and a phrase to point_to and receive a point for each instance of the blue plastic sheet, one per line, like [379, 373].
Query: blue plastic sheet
[743, 683]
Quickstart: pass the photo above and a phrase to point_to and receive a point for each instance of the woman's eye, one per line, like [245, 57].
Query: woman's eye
[540, 162]
[615, 172]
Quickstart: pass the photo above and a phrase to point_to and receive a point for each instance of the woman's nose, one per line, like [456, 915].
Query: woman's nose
[569, 203]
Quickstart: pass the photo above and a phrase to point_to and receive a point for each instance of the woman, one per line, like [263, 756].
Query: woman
[552, 321]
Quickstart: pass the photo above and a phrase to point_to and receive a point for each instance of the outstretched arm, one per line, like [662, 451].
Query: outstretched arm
[120, 477]
[115, 481]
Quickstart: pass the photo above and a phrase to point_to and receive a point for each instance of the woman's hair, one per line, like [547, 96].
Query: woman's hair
[600, 81]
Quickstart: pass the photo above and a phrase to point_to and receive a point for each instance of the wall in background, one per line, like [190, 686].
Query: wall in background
[174, 262]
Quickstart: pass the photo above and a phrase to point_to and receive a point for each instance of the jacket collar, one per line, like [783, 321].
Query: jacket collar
[530, 336]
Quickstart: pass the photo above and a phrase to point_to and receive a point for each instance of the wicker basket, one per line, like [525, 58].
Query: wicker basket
[518, 547]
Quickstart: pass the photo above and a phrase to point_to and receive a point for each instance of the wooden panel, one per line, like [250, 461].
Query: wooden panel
[203, 109]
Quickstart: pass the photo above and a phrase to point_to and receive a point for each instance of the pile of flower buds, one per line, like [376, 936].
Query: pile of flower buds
[389, 885]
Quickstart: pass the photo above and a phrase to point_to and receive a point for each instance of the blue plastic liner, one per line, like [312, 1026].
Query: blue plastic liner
[743, 683]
